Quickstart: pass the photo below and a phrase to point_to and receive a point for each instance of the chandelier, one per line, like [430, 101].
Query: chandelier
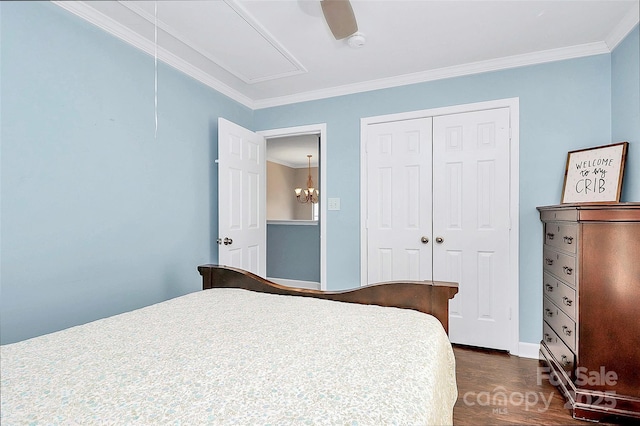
[310, 193]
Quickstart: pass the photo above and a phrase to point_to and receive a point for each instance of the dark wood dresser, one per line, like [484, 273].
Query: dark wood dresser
[591, 307]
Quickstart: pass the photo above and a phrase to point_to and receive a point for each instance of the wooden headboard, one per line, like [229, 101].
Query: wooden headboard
[430, 297]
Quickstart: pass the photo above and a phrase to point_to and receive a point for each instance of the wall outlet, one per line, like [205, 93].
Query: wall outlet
[333, 204]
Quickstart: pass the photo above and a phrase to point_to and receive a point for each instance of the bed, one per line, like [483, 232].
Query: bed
[244, 351]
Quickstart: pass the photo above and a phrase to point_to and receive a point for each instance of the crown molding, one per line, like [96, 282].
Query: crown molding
[104, 22]
[515, 61]
[244, 15]
[80, 9]
[623, 29]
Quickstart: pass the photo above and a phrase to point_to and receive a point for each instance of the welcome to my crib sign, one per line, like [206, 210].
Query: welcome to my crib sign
[595, 174]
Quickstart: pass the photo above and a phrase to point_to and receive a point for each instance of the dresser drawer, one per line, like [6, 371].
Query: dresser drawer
[564, 326]
[559, 214]
[559, 264]
[561, 236]
[563, 355]
[560, 294]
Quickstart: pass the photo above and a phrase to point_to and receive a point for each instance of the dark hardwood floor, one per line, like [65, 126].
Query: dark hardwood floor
[495, 388]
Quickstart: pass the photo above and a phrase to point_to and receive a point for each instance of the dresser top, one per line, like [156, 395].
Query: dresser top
[592, 212]
[591, 206]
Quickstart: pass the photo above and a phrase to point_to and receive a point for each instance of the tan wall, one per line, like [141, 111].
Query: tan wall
[281, 199]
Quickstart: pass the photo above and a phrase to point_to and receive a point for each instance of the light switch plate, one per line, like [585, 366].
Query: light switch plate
[333, 204]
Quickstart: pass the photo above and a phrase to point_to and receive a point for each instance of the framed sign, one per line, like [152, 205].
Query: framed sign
[594, 175]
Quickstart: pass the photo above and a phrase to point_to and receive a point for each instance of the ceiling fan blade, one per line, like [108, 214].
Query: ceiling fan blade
[340, 18]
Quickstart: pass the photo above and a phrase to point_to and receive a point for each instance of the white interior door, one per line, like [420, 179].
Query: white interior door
[471, 223]
[242, 235]
[399, 200]
[458, 198]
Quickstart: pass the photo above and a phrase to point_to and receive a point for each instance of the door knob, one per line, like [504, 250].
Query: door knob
[424, 240]
[439, 240]
[227, 241]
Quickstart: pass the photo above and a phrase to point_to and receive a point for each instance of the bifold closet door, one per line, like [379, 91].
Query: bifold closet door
[438, 208]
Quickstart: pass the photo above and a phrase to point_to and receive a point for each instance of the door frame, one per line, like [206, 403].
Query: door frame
[311, 129]
[514, 171]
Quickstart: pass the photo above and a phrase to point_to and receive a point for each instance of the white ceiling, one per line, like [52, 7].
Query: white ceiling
[264, 53]
[292, 151]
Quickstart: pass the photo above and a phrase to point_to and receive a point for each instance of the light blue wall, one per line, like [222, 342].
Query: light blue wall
[625, 108]
[563, 106]
[98, 216]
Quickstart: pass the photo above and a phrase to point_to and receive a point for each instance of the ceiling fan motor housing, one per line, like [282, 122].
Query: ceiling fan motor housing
[357, 40]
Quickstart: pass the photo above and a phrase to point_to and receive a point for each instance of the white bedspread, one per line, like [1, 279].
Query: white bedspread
[229, 356]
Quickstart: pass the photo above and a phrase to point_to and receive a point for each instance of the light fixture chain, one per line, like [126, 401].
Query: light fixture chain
[155, 67]
[311, 192]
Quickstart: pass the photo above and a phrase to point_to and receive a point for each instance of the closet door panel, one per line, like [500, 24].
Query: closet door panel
[471, 222]
[399, 201]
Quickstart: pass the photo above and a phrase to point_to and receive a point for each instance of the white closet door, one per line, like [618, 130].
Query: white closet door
[399, 200]
[241, 198]
[471, 223]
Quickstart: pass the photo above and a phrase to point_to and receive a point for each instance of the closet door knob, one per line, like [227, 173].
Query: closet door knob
[424, 240]
[439, 240]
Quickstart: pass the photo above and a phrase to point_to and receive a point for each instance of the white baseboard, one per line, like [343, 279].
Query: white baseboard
[296, 283]
[528, 350]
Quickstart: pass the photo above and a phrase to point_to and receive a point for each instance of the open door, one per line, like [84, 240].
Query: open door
[242, 235]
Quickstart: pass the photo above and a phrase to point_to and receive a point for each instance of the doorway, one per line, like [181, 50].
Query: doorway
[293, 210]
[289, 232]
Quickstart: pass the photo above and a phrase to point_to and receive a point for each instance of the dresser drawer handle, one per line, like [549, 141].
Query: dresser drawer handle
[548, 312]
[550, 235]
[548, 338]
[568, 240]
[549, 287]
[548, 261]
[567, 270]
[567, 301]
[564, 361]
[566, 330]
